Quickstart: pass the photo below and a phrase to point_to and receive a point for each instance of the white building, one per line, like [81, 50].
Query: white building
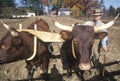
[29, 14]
[64, 11]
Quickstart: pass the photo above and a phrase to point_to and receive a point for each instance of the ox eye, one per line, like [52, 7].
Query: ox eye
[3, 46]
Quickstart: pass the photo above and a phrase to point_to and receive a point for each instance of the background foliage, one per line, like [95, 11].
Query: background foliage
[78, 7]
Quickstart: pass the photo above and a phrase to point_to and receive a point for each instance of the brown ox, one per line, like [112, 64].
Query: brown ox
[78, 45]
[16, 46]
[79, 40]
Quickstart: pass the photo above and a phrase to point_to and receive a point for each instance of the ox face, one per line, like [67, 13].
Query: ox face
[83, 38]
[10, 48]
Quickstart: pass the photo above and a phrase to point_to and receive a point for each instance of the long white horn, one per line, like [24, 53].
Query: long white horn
[117, 16]
[105, 26]
[63, 27]
[5, 25]
[13, 33]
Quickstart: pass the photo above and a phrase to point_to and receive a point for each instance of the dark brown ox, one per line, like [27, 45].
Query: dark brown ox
[20, 46]
[79, 40]
[78, 45]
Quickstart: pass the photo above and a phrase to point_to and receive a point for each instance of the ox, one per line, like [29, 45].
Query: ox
[16, 46]
[79, 40]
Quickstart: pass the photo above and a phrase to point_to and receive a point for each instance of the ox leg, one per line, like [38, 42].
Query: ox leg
[45, 68]
[30, 70]
[68, 67]
[65, 62]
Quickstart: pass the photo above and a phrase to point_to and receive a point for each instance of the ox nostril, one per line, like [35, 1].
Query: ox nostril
[85, 66]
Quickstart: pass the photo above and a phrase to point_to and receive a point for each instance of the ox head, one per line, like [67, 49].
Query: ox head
[82, 37]
[10, 48]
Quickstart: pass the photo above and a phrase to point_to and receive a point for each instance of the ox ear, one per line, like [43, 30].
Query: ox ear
[100, 35]
[66, 35]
